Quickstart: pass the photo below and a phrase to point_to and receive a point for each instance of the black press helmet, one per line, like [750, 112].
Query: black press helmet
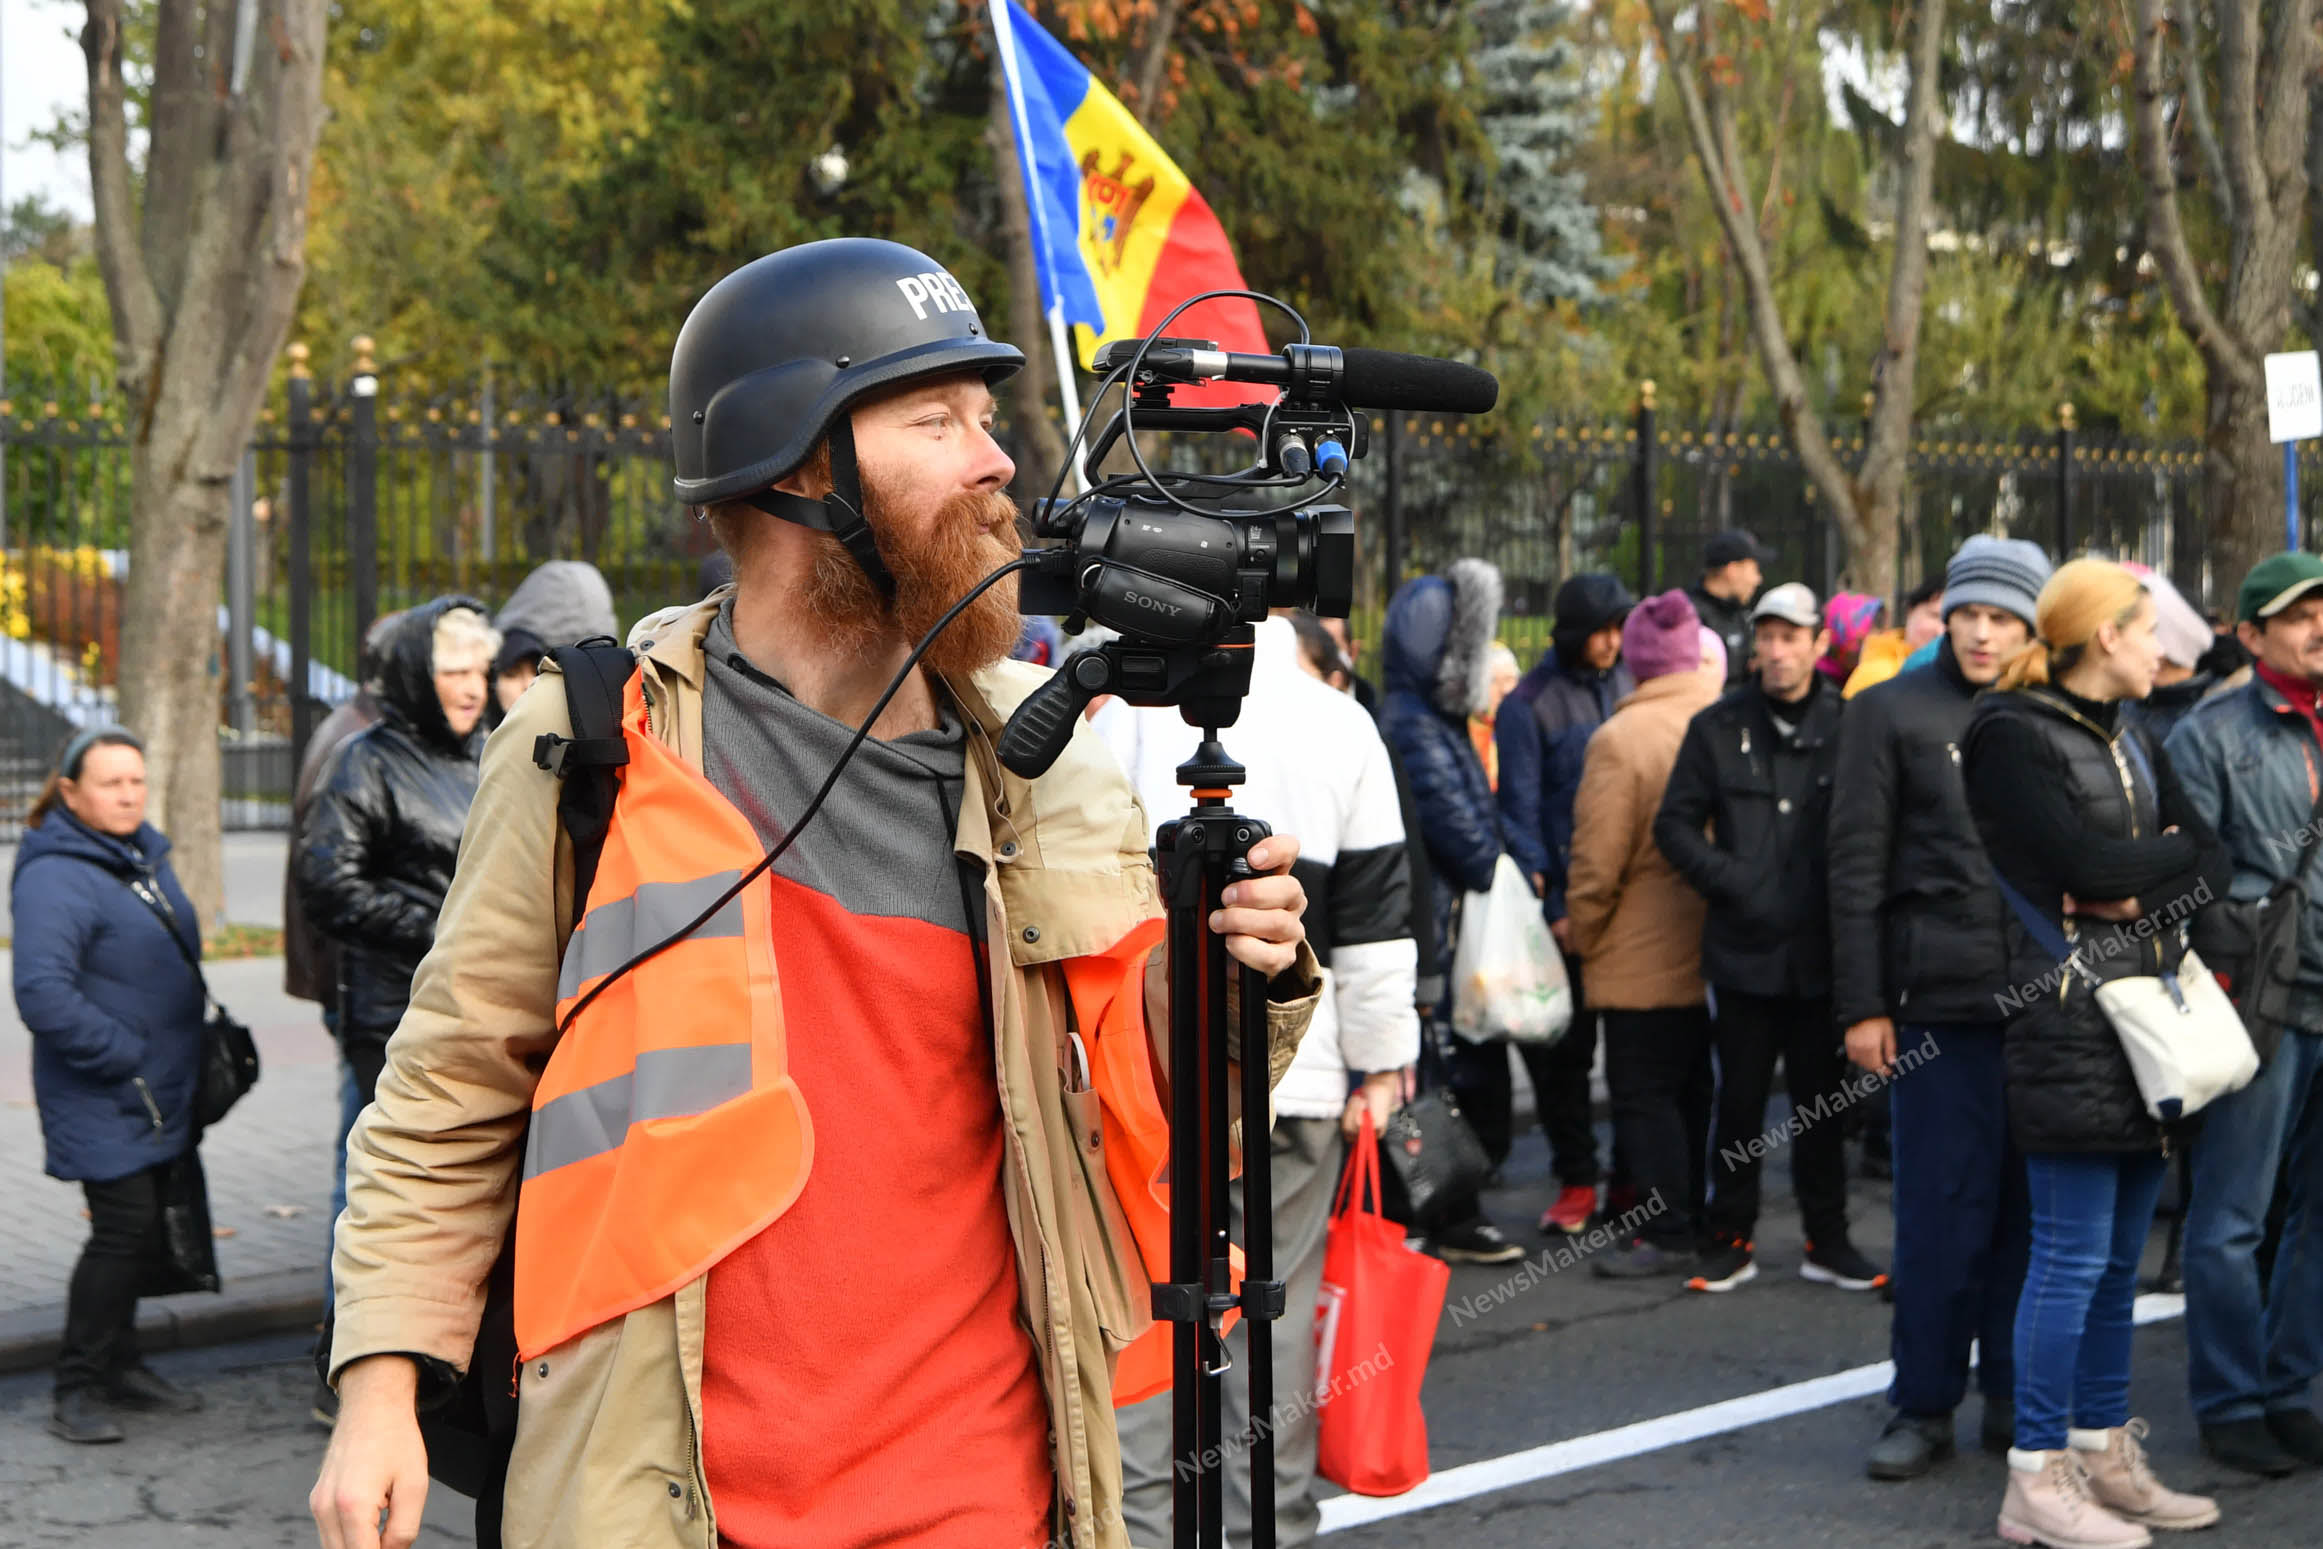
[769, 359]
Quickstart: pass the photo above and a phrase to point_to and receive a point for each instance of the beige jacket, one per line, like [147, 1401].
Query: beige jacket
[607, 1446]
[1637, 926]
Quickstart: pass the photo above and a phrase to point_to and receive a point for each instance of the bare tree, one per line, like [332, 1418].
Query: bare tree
[1869, 501]
[202, 258]
[2258, 148]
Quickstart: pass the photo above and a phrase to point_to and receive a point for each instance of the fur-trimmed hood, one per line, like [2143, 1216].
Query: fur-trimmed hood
[1439, 637]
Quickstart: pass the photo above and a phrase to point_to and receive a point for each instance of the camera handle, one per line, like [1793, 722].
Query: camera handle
[1201, 854]
[1206, 681]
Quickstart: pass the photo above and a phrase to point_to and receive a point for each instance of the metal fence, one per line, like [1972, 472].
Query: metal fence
[350, 503]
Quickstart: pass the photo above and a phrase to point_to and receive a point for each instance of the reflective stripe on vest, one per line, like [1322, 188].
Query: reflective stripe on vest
[666, 1130]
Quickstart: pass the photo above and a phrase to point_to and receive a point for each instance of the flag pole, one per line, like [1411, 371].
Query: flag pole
[1060, 345]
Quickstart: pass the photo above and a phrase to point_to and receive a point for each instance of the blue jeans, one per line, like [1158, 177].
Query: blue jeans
[2091, 1214]
[1961, 1231]
[2251, 1349]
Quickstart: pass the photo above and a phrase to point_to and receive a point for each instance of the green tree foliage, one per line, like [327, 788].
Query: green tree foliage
[1537, 113]
[60, 336]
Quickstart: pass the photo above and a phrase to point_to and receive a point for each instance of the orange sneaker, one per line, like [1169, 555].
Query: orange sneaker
[1571, 1213]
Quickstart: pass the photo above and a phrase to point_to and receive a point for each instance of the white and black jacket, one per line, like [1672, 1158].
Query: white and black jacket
[1319, 772]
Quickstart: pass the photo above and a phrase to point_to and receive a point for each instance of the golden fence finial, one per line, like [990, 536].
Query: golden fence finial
[299, 354]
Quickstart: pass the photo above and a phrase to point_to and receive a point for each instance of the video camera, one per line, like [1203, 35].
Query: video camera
[1167, 559]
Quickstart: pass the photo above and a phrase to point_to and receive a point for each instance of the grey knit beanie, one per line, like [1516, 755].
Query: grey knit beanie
[1998, 572]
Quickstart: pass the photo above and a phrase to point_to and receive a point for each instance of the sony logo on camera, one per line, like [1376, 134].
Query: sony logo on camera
[1153, 604]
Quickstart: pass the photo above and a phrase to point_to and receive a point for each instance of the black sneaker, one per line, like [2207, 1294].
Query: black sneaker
[1640, 1260]
[1837, 1263]
[2300, 1433]
[77, 1419]
[2249, 1445]
[1474, 1242]
[1910, 1446]
[141, 1387]
[325, 1412]
[1724, 1265]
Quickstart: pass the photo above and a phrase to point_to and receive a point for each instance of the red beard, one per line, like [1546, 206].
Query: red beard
[973, 535]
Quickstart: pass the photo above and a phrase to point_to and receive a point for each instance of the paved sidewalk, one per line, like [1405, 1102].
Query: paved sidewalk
[269, 1163]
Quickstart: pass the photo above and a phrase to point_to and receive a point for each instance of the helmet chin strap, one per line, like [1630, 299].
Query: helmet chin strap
[840, 513]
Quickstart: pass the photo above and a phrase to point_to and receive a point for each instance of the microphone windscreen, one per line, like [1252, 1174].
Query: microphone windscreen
[1385, 379]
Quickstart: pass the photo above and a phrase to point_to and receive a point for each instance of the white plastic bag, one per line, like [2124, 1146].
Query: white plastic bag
[1508, 979]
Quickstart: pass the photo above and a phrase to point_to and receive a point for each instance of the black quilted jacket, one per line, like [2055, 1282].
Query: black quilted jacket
[2070, 803]
[384, 833]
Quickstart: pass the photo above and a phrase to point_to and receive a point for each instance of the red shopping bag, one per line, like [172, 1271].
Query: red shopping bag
[1375, 1323]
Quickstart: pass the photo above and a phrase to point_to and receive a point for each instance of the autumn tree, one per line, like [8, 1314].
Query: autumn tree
[2256, 61]
[201, 241]
[1706, 62]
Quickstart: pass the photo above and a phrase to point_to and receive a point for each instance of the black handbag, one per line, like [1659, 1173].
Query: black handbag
[229, 1061]
[188, 1260]
[2251, 946]
[1433, 1155]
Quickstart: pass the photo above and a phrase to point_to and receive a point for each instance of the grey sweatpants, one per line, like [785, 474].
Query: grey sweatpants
[1307, 1156]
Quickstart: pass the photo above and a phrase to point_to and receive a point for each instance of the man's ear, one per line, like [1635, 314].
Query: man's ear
[2249, 634]
[1822, 644]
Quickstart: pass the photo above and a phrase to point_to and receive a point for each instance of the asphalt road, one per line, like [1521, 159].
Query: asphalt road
[1569, 1357]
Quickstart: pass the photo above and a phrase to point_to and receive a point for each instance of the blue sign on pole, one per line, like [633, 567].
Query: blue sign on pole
[2290, 494]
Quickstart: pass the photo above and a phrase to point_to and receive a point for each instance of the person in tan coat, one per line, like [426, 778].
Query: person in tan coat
[941, 1143]
[1637, 928]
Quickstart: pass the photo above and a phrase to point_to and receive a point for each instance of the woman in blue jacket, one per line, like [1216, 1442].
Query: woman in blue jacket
[1437, 653]
[115, 1009]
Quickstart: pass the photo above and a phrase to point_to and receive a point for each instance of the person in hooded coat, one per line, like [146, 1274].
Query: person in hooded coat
[562, 602]
[1543, 731]
[1437, 656]
[106, 943]
[384, 834]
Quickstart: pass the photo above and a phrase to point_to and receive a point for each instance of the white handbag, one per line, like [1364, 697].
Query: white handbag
[2186, 1043]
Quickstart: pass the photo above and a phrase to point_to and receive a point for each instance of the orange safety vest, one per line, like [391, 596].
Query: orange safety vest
[666, 1130]
[1108, 994]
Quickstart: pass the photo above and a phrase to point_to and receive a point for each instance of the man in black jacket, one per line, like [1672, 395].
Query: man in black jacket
[1916, 939]
[1755, 771]
[1732, 569]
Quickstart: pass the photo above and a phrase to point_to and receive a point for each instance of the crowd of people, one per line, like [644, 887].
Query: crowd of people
[1764, 830]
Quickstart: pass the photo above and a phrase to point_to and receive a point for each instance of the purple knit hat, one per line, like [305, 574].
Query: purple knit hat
[1662, 635]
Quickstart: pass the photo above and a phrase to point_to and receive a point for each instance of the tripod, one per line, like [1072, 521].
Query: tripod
[1200, 854]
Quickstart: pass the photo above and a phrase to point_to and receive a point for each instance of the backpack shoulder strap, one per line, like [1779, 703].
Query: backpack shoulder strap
[596, 675]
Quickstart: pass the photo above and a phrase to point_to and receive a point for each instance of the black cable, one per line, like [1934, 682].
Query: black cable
[830, 782]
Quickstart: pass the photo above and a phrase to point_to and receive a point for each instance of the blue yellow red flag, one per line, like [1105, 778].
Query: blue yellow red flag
[1122, 235]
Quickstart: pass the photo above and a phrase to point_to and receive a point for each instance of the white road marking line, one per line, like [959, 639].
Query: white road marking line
[1564, 1457]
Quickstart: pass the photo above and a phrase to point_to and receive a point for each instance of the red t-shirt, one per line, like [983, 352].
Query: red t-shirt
[867, 1378]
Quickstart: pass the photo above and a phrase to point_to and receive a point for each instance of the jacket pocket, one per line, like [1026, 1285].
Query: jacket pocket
[1110, 1261]
[605, 1448]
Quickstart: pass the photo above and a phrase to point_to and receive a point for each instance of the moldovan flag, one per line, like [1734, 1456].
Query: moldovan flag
[1121, 236]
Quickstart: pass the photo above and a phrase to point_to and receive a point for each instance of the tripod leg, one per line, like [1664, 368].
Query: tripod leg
[1262, 1299]
[1194, 880]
